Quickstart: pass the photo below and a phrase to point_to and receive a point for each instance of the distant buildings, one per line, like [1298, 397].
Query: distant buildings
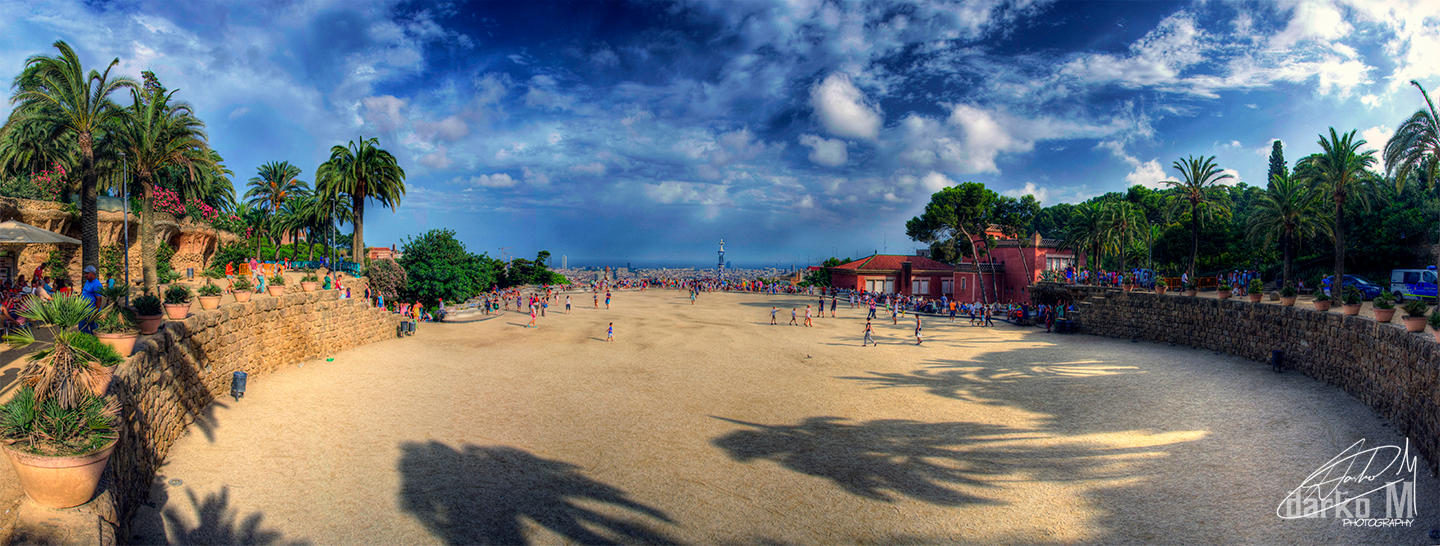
[382, 253]
[1003, 274]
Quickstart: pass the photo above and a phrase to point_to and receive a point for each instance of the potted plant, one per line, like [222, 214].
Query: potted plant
[114, 294]
[116, 327]
[1160, 287]
[1384, 307]
[1190, 289]
[177, 301]
[209, 296]
[1257, 290]
[1322, 301]
[1435, 323]
[310, 283]
[1353, 300]
[58, 432]
[148, 313]
[1127, 282]
[277, 285]
[243, 289]
[1415, 315]
[1288, 295]
[1223, 289]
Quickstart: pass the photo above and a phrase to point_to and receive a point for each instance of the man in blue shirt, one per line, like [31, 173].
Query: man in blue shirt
[91, 288]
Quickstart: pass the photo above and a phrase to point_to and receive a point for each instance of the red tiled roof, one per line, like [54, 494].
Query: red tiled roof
[892, 262]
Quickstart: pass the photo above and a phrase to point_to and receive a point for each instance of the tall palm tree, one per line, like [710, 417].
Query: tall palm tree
[274, 184]
[1086, 232]
[157, 133]
[1198, 187]
[1342, 169]
[1414, 150]
[1123, 221]
[30, 144]
[362, 170]
[59, 90]
[1289, 211]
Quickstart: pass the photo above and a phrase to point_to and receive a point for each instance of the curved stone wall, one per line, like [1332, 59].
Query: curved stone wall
[1380, 364]
[174, 375]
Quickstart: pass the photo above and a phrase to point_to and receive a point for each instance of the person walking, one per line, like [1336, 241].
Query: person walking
[773, 310]
[532, 319]
[869, 337]
[567, 304]
[792, 317]
[833, 303]
[987, 313]
[917, 329]
[610, 333]
[808, 323]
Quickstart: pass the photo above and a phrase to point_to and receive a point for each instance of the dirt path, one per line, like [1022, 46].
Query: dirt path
[705, 424]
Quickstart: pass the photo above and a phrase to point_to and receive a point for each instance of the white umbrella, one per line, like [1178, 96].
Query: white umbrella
[13, 232]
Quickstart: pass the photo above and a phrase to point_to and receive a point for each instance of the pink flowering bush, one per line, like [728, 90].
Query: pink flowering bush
[47, 185]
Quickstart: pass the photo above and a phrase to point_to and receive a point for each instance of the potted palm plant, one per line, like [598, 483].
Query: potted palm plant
[310, 283]
[1322, 301]
[216, 276]
[1223, 289]
[1190, 289]
[1384, 307]
[116, 327]
[1353, 300]
[1257, 291]
[243, 289]
[60, 427]
[1160, 287]
[277, 285]
[148, 314]
[177, 301]
[209, 296]
[1415, 315]
[1288, 295]
[114, 294]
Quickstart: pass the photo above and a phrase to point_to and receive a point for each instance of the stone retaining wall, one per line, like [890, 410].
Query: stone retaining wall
[1380, 364]
[175, 374]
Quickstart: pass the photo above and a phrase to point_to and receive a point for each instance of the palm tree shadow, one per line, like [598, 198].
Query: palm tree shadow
[218, 523]
[481, 494]
[884, 459]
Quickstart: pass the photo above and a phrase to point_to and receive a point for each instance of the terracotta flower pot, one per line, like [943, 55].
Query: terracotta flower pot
[1255, 298]
[1191, 293]
[1436, 333]
[243, 296]
[1288, 301]
[1160, 289]
[1225, 294]
[276, 291]
[1322, 305]
[1414, 324]
[1352, 309]
[209, 302]
[123, 343]
[1384, 315]
[309, 286]
[60, 482]
[148, 324]
[177, 311]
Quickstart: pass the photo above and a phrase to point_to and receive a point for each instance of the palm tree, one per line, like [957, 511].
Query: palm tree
[361, 170]
[30, 144]
[1414, 150]
[1086, 232]
[1199, 187]
[157, 133]
[1123, 221]
[59, 91]
[1342, 170]
[1289, 211]
[275, 182]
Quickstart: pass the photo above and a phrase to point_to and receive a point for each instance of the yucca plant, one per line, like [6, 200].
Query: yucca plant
[209, 289]
[310, 278]
[1353, 297]
[1384, 301]
[177, 294]
[277, 280]
[115, 320]
[242, 284]
[1415, 308]
[56, 409]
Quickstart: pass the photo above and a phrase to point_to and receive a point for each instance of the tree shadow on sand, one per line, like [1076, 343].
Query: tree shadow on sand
[883, 459]
[480, 495]
[218, 523]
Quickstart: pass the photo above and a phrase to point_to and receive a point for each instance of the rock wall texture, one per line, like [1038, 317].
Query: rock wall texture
[175, 374]
[1396, 373]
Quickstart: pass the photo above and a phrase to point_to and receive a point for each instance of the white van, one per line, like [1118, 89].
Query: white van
[1413, 283]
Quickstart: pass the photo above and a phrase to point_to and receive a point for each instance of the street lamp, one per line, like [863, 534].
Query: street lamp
[125, 214]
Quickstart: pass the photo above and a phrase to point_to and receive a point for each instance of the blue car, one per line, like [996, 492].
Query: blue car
[1368, 290]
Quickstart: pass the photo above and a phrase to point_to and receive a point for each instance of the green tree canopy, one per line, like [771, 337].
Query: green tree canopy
[437, 267]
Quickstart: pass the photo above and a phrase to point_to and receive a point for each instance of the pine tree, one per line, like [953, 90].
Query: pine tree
[1277, 164]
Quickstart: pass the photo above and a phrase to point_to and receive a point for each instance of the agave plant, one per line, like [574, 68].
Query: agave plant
[71, 367]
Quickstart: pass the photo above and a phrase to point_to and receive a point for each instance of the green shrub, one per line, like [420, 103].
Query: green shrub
[163, 270]
[1353, 297]
[46, 428]
[112, 261]
[1223, 286]
[1435, 319]
[1288, 291]
[1385, 301]
[277, 280]
[1256, 286]
[1415, 308]
[115, 320]
[1321, 296]
[146, 306]
[310, 278]
[210, 289]
[242, 283]
[177, 294]
[57, 265]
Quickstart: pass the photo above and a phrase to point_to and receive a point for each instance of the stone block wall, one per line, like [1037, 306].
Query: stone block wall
[1394, 372]
[175, 374]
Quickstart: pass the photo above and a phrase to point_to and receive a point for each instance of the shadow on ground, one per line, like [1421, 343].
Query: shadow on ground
[486, 494]
[219, 523]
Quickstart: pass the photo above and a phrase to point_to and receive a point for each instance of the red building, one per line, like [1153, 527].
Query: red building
[381, 253]
[1004, 273]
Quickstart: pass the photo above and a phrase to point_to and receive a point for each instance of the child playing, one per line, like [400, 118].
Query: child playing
[610, 333]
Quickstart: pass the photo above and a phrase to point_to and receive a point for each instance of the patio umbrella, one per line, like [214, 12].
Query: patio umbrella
[13, 232]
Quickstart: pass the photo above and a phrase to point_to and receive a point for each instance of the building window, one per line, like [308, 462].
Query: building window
[920, 286]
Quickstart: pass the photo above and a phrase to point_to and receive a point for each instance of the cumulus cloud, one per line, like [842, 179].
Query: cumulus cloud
[383, 112]
[843, 109]
[825, 151]
[496, 180]
[1040, 193]
[1149, 174]
[438, 159]
[544, 93]
[1376, 137]
[687, 193]
[449, 129]
[592, 169]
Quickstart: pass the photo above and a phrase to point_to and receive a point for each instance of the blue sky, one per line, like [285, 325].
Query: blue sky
[647, 131]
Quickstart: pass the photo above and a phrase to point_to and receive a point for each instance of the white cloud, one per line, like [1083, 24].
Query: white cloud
[383, 112]
[593, 169]
[688, 193]
[843, 109]
[1376, 137]
[543, 93]
[1311, 20]
[449, 129]
[933, 182]
[438, 159]
[824, 151]
[1234, 177]
[535, 178]
[1040, 193]
[236, 113]
[1158, 57]
[497, 180]
[1148, 174]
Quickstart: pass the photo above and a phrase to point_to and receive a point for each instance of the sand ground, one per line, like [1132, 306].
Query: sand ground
[706, 424]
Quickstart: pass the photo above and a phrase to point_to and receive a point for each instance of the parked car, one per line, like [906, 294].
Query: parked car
[1413, 283]
[1367, 289]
